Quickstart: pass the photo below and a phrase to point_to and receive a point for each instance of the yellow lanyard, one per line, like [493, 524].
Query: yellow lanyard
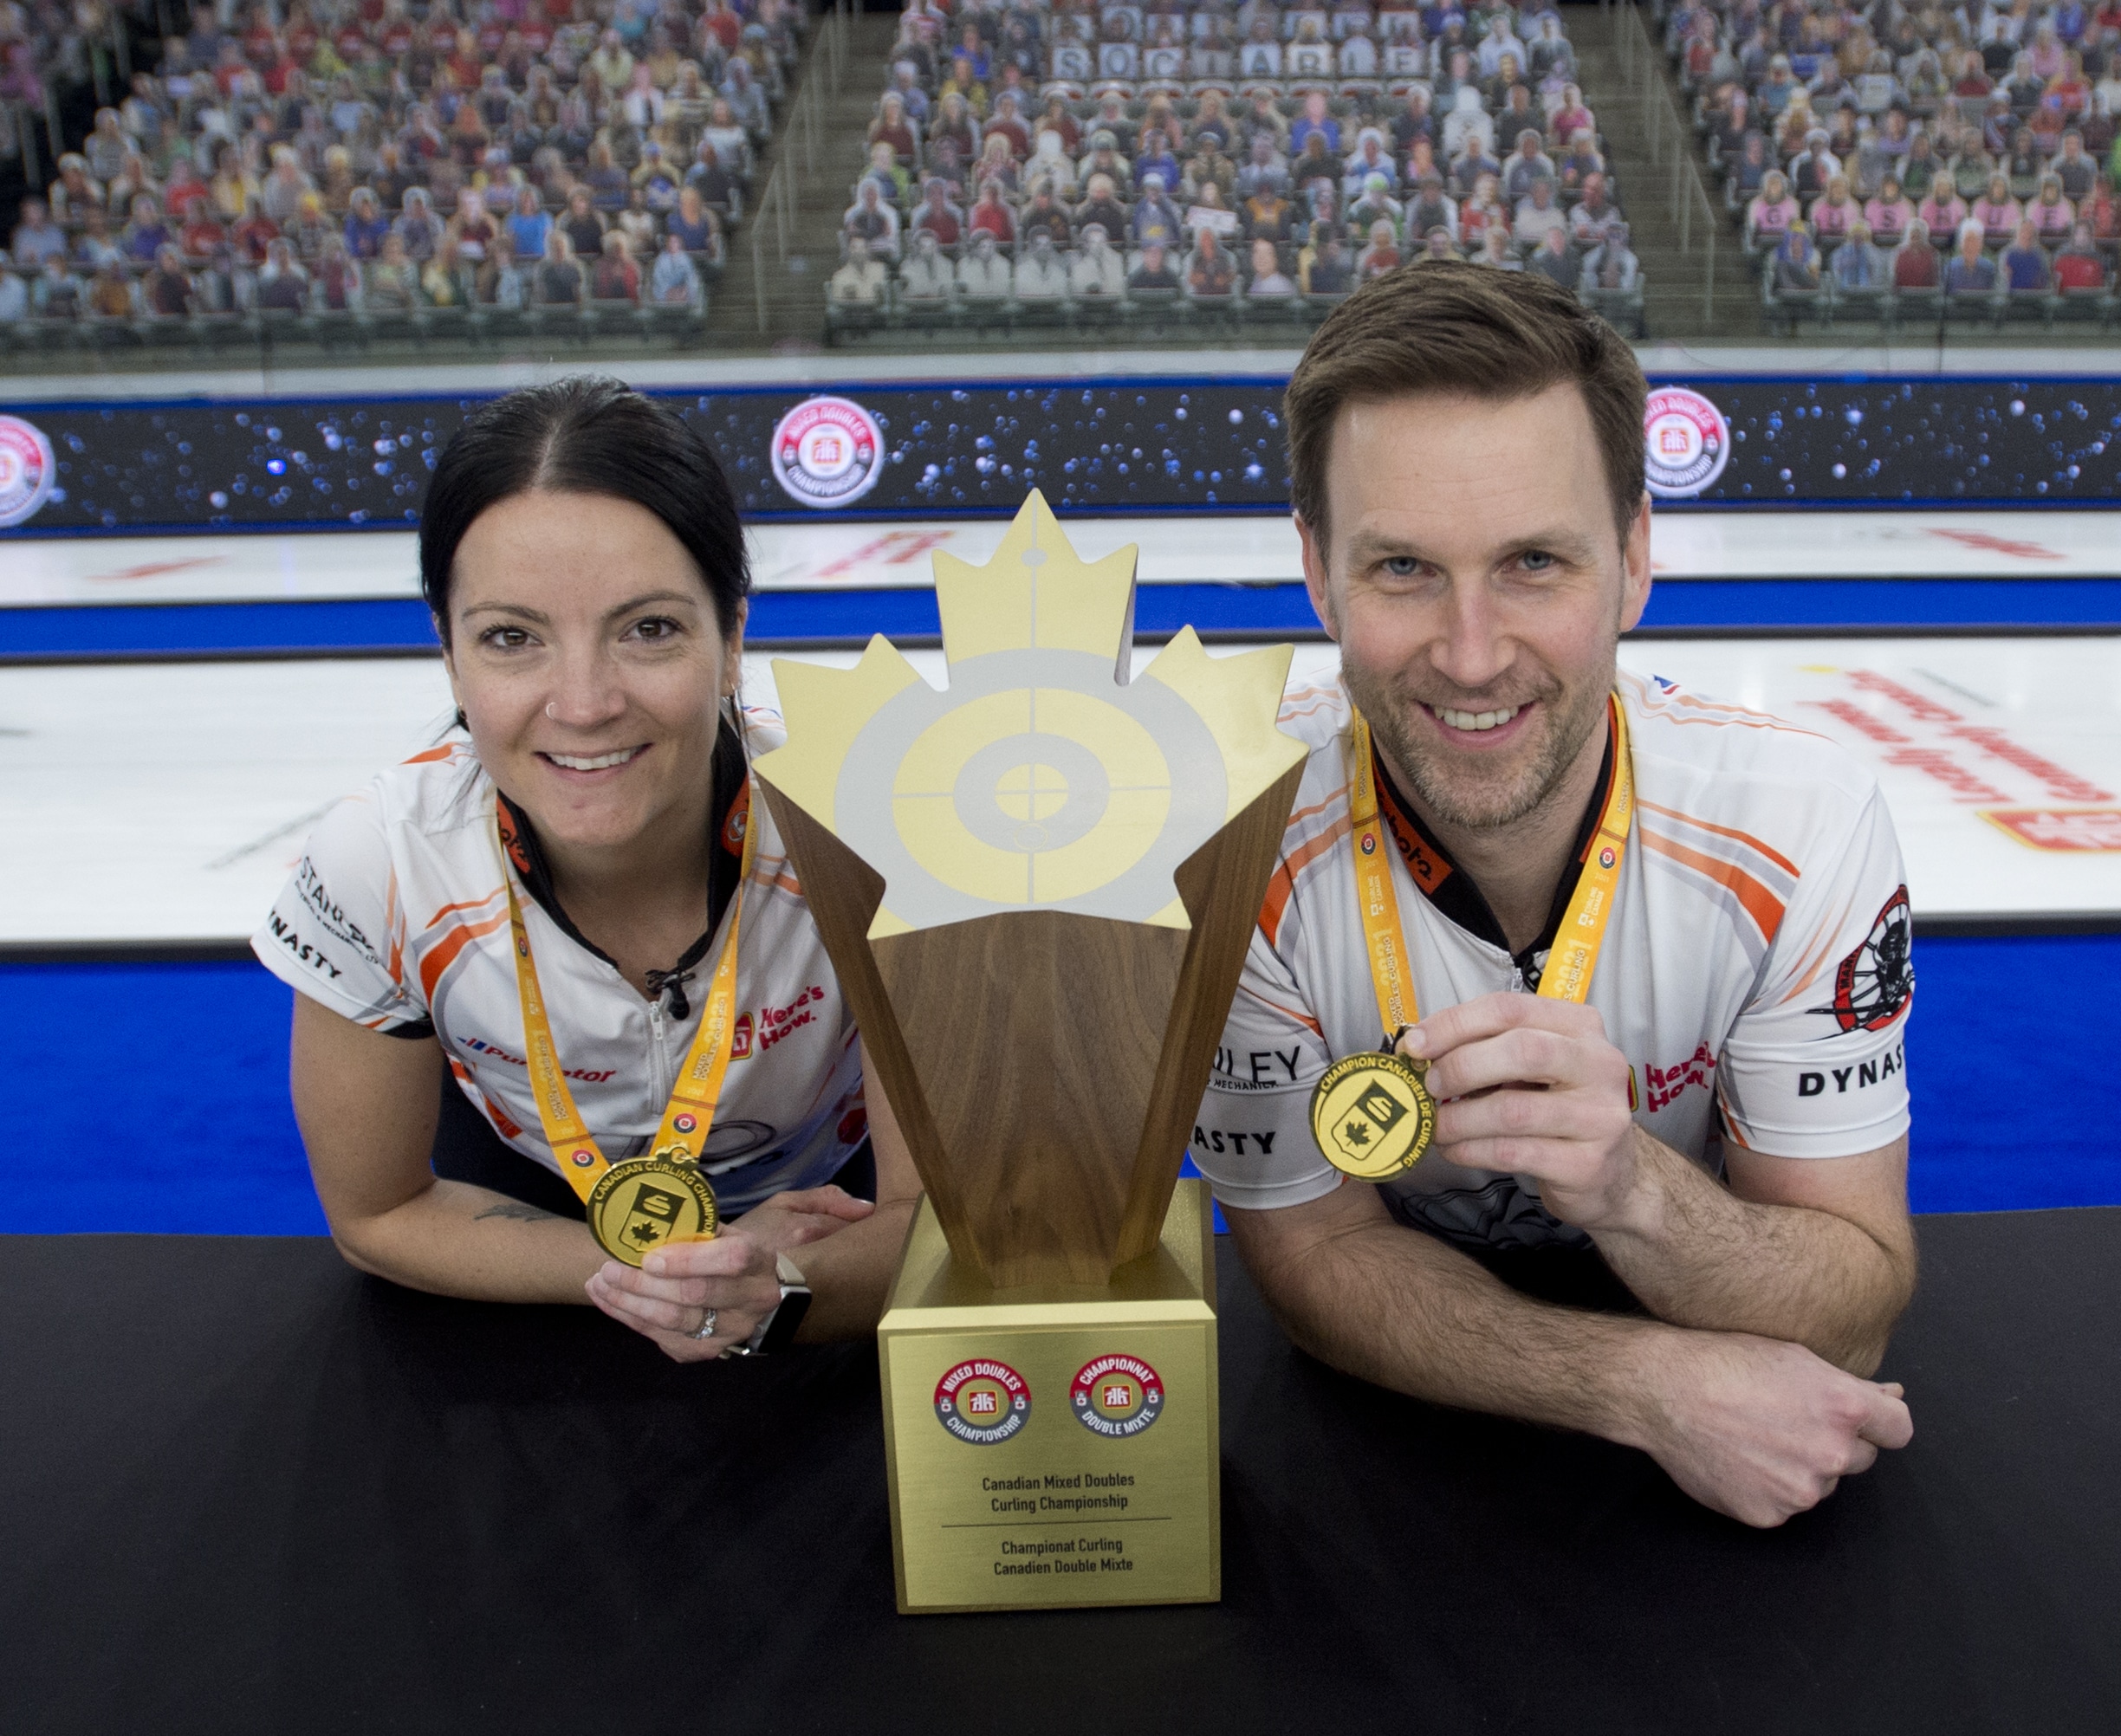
[689, 1116]
[1575, 954]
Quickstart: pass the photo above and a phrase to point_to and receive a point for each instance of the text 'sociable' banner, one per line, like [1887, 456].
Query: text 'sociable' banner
[1107, 446]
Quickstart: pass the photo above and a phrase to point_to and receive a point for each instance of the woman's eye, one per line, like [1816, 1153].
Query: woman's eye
[656, 628]
[505, 638]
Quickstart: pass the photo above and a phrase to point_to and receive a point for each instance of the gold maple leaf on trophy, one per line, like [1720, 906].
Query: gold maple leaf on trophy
[1042, 777]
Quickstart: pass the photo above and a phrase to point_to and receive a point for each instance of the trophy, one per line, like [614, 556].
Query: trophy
[1036, 886]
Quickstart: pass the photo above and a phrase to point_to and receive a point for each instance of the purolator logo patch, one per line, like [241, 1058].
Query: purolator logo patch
[1117, 1395]
[983, 1402]
[1686, 443]
[827, 452]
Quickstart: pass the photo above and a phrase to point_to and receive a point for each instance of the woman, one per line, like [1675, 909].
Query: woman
[1889, 214]
[592, 863]
[1833, 212]
[1772, 213]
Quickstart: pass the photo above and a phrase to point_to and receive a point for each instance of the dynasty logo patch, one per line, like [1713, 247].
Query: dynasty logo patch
[1872, 983]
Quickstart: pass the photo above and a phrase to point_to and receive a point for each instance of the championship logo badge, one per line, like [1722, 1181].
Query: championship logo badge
[27, 468]
[983, 1402]
[1686, 443]
[827, 452]
[1116, 1396]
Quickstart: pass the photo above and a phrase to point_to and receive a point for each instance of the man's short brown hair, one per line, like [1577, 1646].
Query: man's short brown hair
[1449, 326]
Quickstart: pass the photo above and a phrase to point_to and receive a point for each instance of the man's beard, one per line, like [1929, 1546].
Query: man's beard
[1457, 789]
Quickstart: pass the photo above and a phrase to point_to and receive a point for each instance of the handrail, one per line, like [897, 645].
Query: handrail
[1636, 54]
[782, 194]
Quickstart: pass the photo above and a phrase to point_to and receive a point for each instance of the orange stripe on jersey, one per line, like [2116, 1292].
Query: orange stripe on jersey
[1768, 850]
[1722, 715]
[429, 756]
[1282, 887]
[1760, 903]
[445, 951]
[464, 904]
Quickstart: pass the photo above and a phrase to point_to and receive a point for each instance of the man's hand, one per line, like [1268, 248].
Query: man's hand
[1758, 1428]
[735, 1274]
[1532, 1087]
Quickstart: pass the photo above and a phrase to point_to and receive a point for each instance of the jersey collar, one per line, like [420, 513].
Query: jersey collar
[1450, 889]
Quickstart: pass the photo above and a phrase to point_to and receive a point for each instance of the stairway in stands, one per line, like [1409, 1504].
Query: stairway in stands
[795, 291]
[1674, 307]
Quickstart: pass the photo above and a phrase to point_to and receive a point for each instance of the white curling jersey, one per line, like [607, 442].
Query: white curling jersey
[1754, 973]
[397, 918]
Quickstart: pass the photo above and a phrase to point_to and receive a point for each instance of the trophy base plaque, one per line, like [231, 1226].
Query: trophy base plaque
[1054, 1445]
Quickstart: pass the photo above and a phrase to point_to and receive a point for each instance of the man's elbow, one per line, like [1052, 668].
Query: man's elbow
[1865, 1347]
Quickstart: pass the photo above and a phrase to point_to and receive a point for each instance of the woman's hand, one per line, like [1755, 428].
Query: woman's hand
[735, 1274]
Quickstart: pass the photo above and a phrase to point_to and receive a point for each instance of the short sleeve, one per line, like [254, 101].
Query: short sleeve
[335, 933]
[1253, 1139]
[1816, 1066]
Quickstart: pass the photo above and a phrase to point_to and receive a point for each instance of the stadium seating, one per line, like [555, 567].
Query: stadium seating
[1126, 168]
[344, 170]
[1951, 168]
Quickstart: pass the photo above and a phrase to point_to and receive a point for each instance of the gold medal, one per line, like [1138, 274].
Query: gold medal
[647, 1204]
[1373, 1116]
[644, 1203]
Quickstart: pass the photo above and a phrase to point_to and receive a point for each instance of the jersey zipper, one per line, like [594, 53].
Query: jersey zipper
[659, 1069]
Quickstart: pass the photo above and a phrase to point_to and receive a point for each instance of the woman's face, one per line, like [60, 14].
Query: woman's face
[585, 651]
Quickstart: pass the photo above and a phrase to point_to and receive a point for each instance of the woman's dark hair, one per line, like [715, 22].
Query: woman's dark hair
[586, 436]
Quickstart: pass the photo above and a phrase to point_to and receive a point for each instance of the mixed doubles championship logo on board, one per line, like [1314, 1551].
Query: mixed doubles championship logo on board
[1116, 1396]
[827, 452]
[26, 469]
[983, 1402]
[1686, 443]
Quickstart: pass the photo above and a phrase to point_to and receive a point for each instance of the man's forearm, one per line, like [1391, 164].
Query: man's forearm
[1698, 1255]
[1401, 1310]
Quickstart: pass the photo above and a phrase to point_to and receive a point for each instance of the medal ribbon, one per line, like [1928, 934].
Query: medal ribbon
[689, 1116]
[1574, 956]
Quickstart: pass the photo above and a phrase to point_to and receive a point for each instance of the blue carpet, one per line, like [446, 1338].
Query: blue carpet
[2016, 1090]
[391, 624]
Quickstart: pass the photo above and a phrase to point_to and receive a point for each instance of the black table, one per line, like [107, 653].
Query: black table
[246, 1489]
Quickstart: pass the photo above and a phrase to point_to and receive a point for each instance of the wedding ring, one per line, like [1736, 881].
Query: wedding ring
[706, 1326]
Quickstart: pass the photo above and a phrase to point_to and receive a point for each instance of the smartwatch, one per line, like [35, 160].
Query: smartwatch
[777, 1331]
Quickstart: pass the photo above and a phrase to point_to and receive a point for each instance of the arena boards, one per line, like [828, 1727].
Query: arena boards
[164, 804]
[841, 555]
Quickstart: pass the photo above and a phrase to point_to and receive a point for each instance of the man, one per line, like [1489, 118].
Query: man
[1153, 273]
[2023, 269]
[1097, 270]
[1041, 274]
[1970, 271]
[1702, 1118]
[861, 281]
[1555, 260]
[926, 276]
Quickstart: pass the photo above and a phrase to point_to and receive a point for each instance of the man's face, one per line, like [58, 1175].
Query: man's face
[1477, 587]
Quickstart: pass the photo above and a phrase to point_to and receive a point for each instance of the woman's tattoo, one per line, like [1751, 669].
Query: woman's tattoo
[513, 1208]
